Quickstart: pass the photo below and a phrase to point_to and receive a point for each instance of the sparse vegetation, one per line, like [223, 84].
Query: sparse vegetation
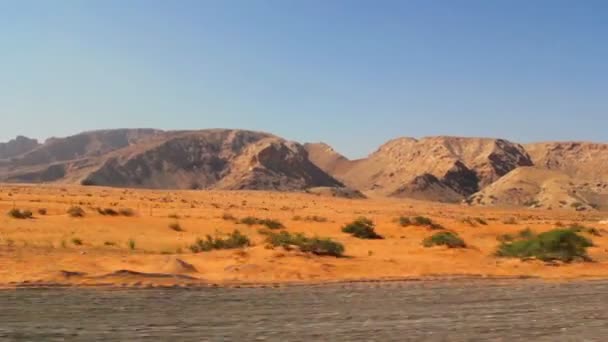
[312, 218]
[77, 242]
[131, 244]
[234, 240]
[362, 228]
[42, 211]
[448, 239]
[420, 221]
[314, 245]
[270, 223]
[558, 244]
[20, 214]
[107, 212]
[127, 212]
[76, 211]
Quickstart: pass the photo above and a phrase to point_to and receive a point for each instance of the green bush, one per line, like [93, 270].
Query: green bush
[270, 223]
[558, 244]
[234, 240]
[314, 245]
[75, 211]
[20, 214]
[448, 239]
[420, 221]
[362, 228]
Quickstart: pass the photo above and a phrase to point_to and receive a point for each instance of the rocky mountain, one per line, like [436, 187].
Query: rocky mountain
[477, 171]
[207, 159]
[582, 160]
[17, 146]
[434, 168]
[537, 187]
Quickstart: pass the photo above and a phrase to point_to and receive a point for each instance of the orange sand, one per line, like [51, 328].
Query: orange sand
[36, 251]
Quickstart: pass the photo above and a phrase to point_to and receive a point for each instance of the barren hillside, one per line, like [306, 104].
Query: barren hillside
[208, 159]
[434, 168]
[588, 161]
[542, 188]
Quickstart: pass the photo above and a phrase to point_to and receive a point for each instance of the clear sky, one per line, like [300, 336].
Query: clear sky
[348, 72]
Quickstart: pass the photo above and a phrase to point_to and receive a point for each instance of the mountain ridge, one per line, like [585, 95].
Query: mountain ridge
[436, 168]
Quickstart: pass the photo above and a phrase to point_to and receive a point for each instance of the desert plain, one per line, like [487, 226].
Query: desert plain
[144, 249]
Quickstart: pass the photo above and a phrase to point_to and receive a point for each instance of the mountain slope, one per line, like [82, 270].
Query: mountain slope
[434, 168]
[582, 160]
[543, 188]
[209, 159]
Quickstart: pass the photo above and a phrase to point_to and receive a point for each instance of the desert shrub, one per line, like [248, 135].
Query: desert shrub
[109, 243]
[558, 244]
[42, 211]
[176, 227]
[314, 245]
[420, 221]
[127, 212]
[131, 244]
[75, 211]
[107, 212]
[20, 214]
[234, 240]
[312, 218]
[404, 221]
[77, 241]
[448, 239]
[362, 228]
[173, 216]
[270, 223]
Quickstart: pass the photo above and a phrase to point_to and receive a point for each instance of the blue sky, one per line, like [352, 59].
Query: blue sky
[351, 73]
